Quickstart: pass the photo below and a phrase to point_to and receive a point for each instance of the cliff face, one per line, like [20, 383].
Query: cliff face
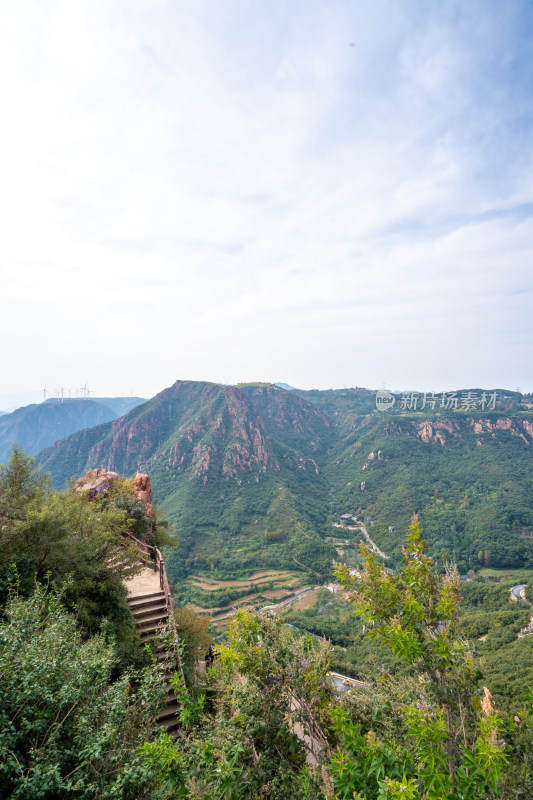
[442, 430]
[207, 432]
[226, 440]
[517, 427]
[201, 431]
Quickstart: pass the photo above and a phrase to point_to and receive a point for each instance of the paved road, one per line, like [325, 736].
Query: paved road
[342, 683]
[516, 591]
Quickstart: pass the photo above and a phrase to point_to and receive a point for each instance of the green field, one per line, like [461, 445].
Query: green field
[520, 575]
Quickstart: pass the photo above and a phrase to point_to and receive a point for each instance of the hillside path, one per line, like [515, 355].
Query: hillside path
[361, 527]
[145, 582]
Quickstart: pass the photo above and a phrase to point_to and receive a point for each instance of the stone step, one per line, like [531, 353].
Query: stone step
[160, 655]
[141, 600]
[170, 710]
[148, 611]
[154, 619]
[170, 723]
[146, 634]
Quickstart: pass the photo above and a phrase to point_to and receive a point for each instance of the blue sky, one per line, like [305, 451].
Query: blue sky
[322, 193]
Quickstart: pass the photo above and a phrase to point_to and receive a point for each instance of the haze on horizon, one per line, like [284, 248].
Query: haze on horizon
[321, 193]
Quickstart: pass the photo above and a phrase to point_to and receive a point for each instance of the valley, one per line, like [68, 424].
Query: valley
[256, 477]
[267, 488]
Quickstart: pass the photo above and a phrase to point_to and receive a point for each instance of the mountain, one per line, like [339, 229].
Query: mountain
[286, 386]
[119, 405]
[36, 426]
[257, 476]
[469, 477]
[226, 462]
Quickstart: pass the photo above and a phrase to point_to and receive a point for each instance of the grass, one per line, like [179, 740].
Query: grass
[276, 594]
[520, 574]
[306, 601]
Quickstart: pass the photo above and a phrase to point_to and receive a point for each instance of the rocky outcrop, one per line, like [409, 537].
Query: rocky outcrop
[528, 427]
[95, 483]
[517, 427]
[373, 457]
[436, 430]
[527, 631]
[143, 489]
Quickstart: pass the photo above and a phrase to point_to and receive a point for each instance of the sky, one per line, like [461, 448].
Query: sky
[327, 193]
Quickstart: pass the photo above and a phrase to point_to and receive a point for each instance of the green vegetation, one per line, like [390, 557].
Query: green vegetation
[425, 733]
[489, 619]
[77, 718]
[254, 476]
[57, 537]
[67, 729]
[456, 745]
[193, 631]
[474, 499]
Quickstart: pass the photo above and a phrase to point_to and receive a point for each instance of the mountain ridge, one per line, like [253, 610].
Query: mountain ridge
[236, 467]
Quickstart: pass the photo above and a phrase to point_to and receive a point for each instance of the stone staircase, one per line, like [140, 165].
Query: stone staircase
[149, 610]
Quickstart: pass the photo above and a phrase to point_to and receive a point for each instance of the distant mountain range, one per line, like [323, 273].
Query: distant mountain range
[37, 426]
[256, 475]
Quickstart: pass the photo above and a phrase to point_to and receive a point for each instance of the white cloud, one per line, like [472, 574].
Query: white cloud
[197, 190]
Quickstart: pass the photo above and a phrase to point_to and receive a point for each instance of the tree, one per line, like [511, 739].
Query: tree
[451, 740]
[51, 536]
[66, 730]
[194, 635]
[22, 487]
[265, 690]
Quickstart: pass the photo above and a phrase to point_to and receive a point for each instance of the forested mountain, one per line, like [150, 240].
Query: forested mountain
[72, 664]
[254, 475]
[37, 426]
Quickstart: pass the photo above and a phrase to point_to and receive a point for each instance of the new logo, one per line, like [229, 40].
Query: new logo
[384, 400]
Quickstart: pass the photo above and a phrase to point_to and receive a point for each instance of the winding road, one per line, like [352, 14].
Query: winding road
[361, 527]
[518, 592]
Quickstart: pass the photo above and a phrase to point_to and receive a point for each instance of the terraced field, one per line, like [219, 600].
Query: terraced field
[261, 588]
[262, 578]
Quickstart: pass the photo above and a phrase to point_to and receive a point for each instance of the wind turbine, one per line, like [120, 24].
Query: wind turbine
[84, 390]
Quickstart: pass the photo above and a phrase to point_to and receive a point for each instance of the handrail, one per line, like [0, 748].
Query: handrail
[163, 579]
[154, 554]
